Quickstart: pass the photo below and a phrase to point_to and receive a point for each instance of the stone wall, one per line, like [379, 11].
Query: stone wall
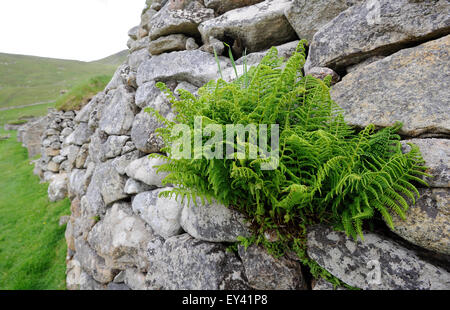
[389, 60]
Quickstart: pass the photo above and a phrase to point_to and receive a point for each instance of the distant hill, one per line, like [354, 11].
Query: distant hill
[116, 59]
[27, 80]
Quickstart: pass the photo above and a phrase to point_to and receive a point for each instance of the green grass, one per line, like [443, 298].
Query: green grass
[13, 115]
[82, 93]
[26, 80]
[32, 245]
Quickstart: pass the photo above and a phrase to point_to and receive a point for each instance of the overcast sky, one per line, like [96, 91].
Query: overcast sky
[69, 29]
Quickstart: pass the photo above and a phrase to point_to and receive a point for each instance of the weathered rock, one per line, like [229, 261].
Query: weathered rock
[30, 135]
[117, 287]
[183, 19]
[265, 272]
[377, 28]
[93, 264]
[122, 162]
[223, 6]
[53, 167]
[135, 280]
[117, 117]
[191, 44]
[133, 33]
[113, 146]
[245, 25]
[71, 152]
[213, 222]
[170, 43]
[57, 190]
[107, 182]
[184, 263]
[322, 73]
[59, 159]
[185, 86]
[436, 153]
[392, 90]
[145, 170]
[66, 131]
[307, 17]
[140, 44]
[195, 67]
[133, 187]
[121, 238]
[354, 262]
[285, 50]
[427, 222]
[63, 220]
[83, 115]
[214, 46]
[77, 183]
[80, 136]
[136, 58]
[143, 133]
[146, 94]
[82, 155]
[162, 214]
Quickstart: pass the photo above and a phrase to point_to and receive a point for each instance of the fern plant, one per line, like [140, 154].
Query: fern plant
[327, 171]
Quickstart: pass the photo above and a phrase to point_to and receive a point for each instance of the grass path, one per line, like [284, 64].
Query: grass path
[32, 245]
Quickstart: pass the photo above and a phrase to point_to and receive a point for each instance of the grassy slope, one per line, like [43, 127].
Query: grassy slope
[15, 114]
[116, 59]
[27, 79]
[32, 246]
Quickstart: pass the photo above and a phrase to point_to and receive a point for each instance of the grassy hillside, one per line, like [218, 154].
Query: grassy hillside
[81, 94]
[32, 245]
[26, 80]
[116, 59]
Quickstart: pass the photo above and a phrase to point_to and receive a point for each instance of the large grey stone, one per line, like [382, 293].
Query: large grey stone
[107, 182]
[223, 6]
[83, 114]
[145, 170]
[117, 117]
[307, 16]
[80, 136]
[162, 214]
[179, 17]
[436, 153]
[122, 162]
[427, 222]
[357, 263]
[377, 28]
[257, 27]
[265, 272]
[143, 133]
[57, 190]
[392, 90]
[285, 50]
[92, 263]
[133, 187]
[195, 67]
[136, 58]
[185, 263]
[135, 280]
[213, 222]
[77, 183]
[170, 43]
[121, 238]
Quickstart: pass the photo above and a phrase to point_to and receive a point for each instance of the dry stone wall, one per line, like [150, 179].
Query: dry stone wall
[393, 61]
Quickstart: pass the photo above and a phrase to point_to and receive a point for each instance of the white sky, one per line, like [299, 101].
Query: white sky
[69, 29]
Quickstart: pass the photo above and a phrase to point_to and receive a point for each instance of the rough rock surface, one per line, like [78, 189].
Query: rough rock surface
[265, 272]
[223, 6]
[244, 24]
[213, 222]
[377, 28]
[184, 263]
[393, 90]
[162, 214]
[307, 17]
[195, 66]
[145, 170]
[179, 17]
[170, 43]
[436, 153]
[143, 133]
[57, 189]
[118, 116]
[30, 135]
[427, 222]
[121, 238]
[356, 263]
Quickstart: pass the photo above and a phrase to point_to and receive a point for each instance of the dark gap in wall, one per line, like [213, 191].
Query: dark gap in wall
[237, 47]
